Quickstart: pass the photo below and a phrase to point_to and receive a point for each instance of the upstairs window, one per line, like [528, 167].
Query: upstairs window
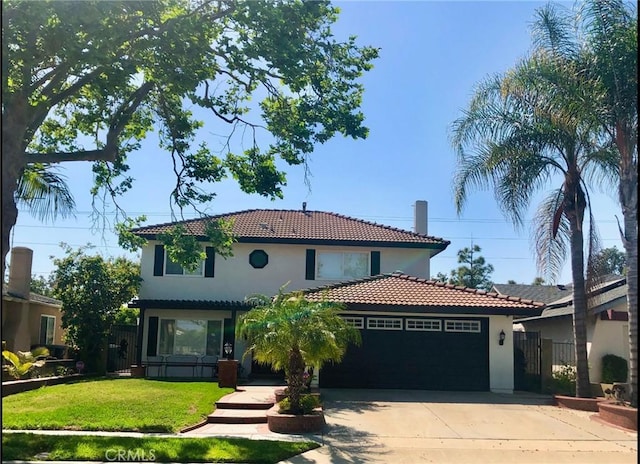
[338, 266]
[173, 268]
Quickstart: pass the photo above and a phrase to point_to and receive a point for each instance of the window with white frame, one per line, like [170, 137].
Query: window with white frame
[424, 325]
[357, 322]
[461, 326]
[190, 336]
[47, 329]
[338, 265]
[173, 268]
[384, 323]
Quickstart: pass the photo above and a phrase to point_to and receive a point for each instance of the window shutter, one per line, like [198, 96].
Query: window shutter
[375, 263]
[158, 262]
[210, 262]
[311, 265]
[152, 338]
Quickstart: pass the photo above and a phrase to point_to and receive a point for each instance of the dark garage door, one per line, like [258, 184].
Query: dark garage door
[414, 353]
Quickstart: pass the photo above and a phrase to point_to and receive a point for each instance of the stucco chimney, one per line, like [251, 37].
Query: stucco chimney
[420, 217]
[20, 272]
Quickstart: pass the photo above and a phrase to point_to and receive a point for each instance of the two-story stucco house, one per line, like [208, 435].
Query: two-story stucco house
[416, 333]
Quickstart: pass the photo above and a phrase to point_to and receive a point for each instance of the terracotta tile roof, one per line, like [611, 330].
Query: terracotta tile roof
[297, 226]
[402, 290]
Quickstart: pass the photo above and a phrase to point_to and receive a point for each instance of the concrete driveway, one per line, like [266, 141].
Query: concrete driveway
[409, 426]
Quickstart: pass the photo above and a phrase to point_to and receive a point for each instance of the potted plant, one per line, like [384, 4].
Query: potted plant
[289, 332]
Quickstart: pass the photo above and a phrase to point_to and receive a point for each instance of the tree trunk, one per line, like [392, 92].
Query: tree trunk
[583, 384]
[295, 381]
[13, 129]
[629, 201]
[628, 196]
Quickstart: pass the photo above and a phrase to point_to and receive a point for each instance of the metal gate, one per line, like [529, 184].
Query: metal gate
[527, 362]
[122, 348]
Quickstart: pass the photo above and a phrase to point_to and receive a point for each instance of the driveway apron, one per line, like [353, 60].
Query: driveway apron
[409, 426]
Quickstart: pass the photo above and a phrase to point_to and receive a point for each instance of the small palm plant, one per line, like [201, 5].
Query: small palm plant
[19, 364]
[289, 332]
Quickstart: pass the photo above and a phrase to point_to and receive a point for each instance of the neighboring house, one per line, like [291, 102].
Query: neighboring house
[543, 293]
[607, 324]
[28, 319]
[194, 314]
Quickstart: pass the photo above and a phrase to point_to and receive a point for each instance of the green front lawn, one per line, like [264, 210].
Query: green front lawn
[25, 447]
[139, 405]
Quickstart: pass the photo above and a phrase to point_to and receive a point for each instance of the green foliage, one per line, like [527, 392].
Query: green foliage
[93, 79]
[92, 290]
[126, 315]
[476, 273]
[611, 261]
[564, 381]
[307, 404]
[614, 369]
[42, 286]
[289, 332]
[23, 363]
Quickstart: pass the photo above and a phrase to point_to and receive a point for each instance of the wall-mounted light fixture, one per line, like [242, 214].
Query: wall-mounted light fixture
[228, 348]
[502, 337]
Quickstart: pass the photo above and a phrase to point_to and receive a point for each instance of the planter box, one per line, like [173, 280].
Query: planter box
[622, 416]
[582, 404]
[138, 371]
[19, 386]
[290, 423]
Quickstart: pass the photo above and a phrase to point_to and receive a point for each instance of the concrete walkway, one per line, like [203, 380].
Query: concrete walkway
[410, 426]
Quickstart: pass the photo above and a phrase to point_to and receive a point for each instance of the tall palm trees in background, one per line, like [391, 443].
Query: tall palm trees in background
[566, 115]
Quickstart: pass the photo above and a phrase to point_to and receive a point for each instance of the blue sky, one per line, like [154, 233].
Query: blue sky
[432, 54]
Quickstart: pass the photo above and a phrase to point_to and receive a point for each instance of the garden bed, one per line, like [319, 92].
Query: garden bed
[581, 404]
[295, 423]
[18, 386]
[619, 415]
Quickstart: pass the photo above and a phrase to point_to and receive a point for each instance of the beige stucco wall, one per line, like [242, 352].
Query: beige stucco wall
[21, 324]
[609, 337]
[235, 278]
[501, 356]
[38, 310]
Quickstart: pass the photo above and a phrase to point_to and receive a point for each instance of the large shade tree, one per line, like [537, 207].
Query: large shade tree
[601, 37]
[92, 290]
[520, 138]
[291, 333]
[88, 81]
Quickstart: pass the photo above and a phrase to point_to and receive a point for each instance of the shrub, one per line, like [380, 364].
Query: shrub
[307, 402]
[614, 369]
[564, 381]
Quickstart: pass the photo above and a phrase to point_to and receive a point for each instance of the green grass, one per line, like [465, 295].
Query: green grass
[139, 405]
[25, 447]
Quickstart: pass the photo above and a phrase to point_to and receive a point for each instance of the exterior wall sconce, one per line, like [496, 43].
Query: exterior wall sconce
[502, 337]
[228, 348]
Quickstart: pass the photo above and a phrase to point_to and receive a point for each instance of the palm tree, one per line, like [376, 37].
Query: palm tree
[519, 135]
[288, 332]
[608, 51]
[44, 192]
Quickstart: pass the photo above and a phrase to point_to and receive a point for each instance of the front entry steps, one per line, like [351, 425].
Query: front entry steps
[230, 411]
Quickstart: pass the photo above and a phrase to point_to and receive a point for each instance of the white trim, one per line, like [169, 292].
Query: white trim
[387, 323]
[354, 321]
[460, 325]
[424, 325]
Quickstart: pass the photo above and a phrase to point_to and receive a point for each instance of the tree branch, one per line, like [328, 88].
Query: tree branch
[105, 154]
